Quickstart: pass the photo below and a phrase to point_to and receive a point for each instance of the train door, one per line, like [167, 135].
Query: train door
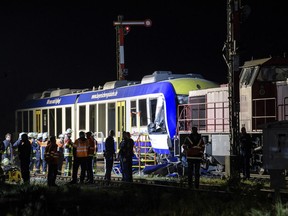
[38, 121]
[121, 119]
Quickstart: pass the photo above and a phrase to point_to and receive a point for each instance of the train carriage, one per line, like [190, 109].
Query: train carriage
[148, 107]
[263, 98]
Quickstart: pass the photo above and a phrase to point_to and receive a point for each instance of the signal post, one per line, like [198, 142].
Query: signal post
[122, 29]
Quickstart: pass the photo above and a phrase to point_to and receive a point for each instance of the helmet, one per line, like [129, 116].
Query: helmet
[21, 134]
[69, 130]
[61, 136]
[30, 135]
[45, 135]
[35, 135]
[40, 135]
[5, 161]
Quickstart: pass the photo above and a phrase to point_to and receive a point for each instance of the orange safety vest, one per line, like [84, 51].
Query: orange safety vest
[51, 154]
[81, 148]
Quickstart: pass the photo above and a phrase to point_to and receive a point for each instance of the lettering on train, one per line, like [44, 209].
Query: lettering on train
[104, 95]
[54, 101]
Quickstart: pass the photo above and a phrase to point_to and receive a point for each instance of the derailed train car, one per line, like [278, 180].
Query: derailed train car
[263, 98]
[147, 108]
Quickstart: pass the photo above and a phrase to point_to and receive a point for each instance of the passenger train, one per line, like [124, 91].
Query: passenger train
[263, 98]
[147, 107]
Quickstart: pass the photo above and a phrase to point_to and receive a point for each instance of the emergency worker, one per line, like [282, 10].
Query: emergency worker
[68, 152]
[129, 157]
[51, 156]
[194, 143]
[8, 150]
[80, 149]
[33, 150]
[126, 155]
[109, 155]
[91, 153]
[24, 150]
[245, 152]
[38, 160]
[42, 148]
[15, 149]
[60, 143]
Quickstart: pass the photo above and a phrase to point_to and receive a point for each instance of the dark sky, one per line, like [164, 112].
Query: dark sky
[69, 44]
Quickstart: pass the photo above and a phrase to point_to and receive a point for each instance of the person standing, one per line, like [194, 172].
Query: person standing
[33, 153]
[109, 155]
[91, 154]
[194, 147]
[38, 153]
[68, 152]
[8, 150]
[51, 157]
[129, 157]
[80, 149]
[60, 143]
[24, 151]
[42, 148]
[245, 152]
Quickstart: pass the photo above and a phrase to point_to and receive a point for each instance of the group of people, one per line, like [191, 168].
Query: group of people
[125, 156]
[34, 151]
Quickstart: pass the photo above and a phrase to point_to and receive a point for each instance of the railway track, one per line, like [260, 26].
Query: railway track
[179, 182]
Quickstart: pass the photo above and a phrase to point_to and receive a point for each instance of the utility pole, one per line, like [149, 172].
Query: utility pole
[122, 29]
[232, 60]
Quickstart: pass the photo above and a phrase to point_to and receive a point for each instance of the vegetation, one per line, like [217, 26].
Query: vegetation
[243, 198]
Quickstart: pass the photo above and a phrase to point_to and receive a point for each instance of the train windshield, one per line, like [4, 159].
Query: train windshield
[182, 99]
[273, 74]
[247, 75]
[159, 124]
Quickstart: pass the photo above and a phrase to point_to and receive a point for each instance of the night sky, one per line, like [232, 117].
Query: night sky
[71, 44]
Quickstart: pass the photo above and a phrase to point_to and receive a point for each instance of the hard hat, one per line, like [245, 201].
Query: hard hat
[5, 161]
[45, 135]
[30, 135]
[21, 134]
[39, 135]
[61, 136]
[35, 135]
[69, 130]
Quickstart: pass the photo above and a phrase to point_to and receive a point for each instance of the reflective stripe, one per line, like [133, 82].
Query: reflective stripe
[82, 148]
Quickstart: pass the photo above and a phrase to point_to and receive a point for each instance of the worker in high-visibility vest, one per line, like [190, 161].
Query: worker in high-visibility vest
[80, 150]
[68, 152]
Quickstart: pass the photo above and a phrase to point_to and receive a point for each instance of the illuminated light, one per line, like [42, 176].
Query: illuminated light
[126, 30]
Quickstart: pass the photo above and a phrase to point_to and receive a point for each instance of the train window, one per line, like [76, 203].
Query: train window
[68, 117]
[59, 121]
[133, 112]
[92, 118]
[143, 112]
[158, 116]
[153, 104]
[25, 121]
[111, 115]
[30, 120]
[182, 99]
[102, 119]
[52, 122]
[44, 120]
[247, 75]
[198, 111]
[82, 117]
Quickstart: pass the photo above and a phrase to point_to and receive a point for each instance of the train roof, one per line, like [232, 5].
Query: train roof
[266, 61]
